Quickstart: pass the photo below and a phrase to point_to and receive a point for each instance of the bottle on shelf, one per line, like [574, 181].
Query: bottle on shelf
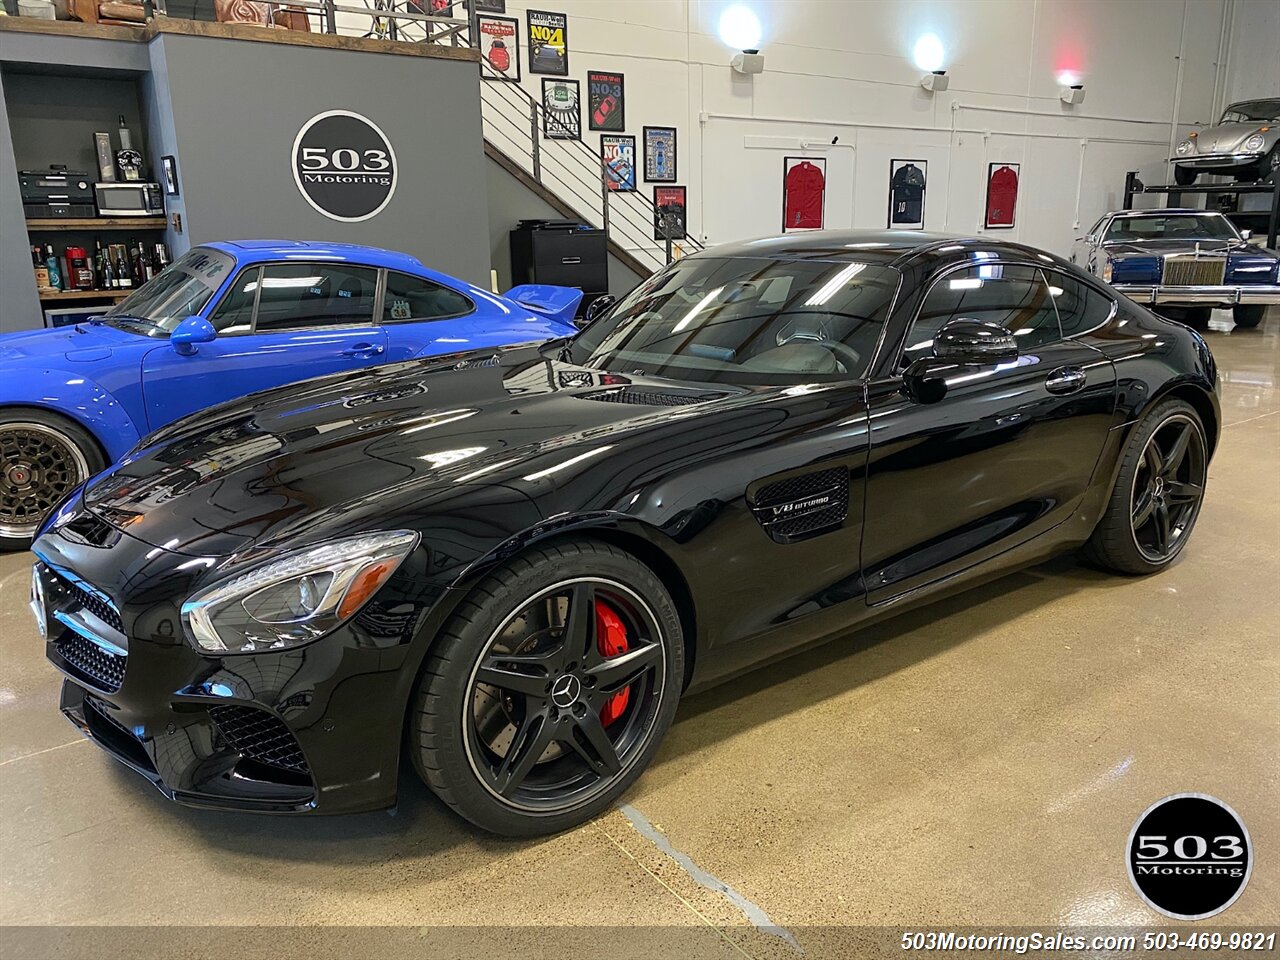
[41, 268]
[99, 265]
[128, 159]
[124, 275]
[135, 263]
[55, 268]
[162, 256]
[107, 277]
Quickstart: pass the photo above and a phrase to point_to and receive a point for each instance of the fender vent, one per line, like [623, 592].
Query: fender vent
[801, 507]
[650, 398]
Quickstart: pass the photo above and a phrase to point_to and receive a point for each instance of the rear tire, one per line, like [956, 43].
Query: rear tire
[1184, 176]
[529, 717]
[1249, 315]
[1158, 492]
[43, 457]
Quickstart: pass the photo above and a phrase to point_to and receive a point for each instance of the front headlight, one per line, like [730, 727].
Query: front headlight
[297, 598]
[1108, 268]
[1184, 147]
[1255, 143]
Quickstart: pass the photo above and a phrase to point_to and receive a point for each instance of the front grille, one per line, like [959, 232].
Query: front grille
[650, 398]
[82, 599]
[803, 506]
[107, 714]
[1190, 271]
[260, 736]
[103, 668]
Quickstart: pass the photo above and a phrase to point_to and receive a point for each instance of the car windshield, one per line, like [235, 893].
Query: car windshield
[1185, 227]
[745, 321]
[1253, 111]
[172, 295]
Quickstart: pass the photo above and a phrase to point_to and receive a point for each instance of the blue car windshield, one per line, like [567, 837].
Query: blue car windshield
[180, 290]
[740, 320]
[1191, 226]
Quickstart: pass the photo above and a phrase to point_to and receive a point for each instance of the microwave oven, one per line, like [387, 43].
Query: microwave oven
[128, 198]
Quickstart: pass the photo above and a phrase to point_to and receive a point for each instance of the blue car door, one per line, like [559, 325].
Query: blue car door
[278, 323]
[424, 318]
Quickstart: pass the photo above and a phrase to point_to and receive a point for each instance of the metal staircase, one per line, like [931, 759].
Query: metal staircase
[571, 177]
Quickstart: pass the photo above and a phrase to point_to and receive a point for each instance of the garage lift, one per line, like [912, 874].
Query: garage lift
[1223, 197]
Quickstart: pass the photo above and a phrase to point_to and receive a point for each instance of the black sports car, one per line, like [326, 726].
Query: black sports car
[512, 565]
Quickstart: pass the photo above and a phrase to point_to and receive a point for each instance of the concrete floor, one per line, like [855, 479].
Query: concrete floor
[980, 762]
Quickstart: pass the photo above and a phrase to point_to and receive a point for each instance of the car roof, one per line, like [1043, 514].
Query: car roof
[890, 248]
[252, 251]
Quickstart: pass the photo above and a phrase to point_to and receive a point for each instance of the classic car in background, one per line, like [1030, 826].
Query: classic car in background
[1182, 262]
[225, 320]
[1243, 144]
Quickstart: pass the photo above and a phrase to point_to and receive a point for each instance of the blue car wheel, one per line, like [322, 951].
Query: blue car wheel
[42, 459]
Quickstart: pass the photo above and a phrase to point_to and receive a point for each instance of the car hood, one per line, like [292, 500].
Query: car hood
[1159, 248]
[84, 341]
[1225, 138]
[381, 447]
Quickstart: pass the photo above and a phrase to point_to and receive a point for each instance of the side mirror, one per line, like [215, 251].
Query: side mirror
[1246, 233]
[925, 380]
[967, 341]
[1090, 238]
[191, 332]
[597, 309]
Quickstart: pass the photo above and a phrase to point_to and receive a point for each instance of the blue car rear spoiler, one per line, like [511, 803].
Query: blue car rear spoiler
[557, 303]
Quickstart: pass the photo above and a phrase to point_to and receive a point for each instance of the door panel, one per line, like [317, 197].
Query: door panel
[1004, 456]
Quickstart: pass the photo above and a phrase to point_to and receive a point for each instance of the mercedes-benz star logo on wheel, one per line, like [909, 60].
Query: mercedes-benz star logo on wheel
[566, 690]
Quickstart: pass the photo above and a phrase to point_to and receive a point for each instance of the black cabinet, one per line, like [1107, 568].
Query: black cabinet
[560, 252]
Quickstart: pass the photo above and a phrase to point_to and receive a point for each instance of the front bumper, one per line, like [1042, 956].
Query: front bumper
[314, 729]
[1217, 161]
[1227, 296]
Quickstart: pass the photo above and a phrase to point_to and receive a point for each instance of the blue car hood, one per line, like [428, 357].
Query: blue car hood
[82, 342]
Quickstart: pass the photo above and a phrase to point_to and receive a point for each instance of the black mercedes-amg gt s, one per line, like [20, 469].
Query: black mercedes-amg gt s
[512, 565]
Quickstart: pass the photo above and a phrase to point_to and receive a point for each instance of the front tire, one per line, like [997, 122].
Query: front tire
[1156, 500]
[43, 457]
[1184, 176]
[548, 691]
[1249, 315]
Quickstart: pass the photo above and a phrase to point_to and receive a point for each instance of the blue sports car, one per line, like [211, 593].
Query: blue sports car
[222, 321]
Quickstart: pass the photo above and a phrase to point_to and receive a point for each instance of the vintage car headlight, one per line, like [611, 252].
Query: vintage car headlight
[1184, 147]
[295, 599]
[1255, 143]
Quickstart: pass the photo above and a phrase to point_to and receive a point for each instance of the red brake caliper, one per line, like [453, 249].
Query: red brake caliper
[611, 641]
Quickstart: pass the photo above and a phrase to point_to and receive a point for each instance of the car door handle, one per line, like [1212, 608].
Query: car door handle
[364, 350]
[1065, 380]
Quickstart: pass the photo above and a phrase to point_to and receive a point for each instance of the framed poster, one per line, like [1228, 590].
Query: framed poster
[500, 44]
[561, 110]
[906, 194]
[605, 101]
[669, 207]
[169, 165]
[548, 42]
[804, 192]
[660, 154]
[619, 156]
[1002, 195]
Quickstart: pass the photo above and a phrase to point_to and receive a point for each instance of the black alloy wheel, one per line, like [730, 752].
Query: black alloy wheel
[1157, 495]
[573, 664]
[41, 460]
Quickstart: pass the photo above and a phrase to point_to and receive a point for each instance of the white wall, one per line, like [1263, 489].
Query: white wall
[1253, 56]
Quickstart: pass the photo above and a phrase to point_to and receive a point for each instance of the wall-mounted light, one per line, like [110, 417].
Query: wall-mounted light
[1073, 94]
[740, 28]
[928, 53]
[748, 62]
[936, 81]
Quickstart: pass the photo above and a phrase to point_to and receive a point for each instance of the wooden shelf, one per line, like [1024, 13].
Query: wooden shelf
[100, 223]
[85, 295]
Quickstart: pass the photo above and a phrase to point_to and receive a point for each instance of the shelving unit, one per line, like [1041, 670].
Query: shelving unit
[97, 223]
[54, 296]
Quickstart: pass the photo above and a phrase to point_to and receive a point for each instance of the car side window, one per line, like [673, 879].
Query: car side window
[415, 298]
[235, 313]
[296, 296]
[1015, 297]
[1080, 307]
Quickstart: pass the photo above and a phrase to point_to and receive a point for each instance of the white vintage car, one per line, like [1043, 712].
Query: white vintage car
[1243, 144]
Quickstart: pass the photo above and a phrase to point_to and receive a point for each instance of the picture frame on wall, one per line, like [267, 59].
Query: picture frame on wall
[169, 173]
[561, 110]
[660, 154]
[670, 210]
[500, 45]
[1002, 195]
[548, 42]
[606, 101]
[618, 154]
[489, 6]
[908, 180]
[804, 193]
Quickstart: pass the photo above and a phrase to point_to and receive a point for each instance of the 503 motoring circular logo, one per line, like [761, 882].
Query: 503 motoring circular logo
[1189, 856]
[344, 165]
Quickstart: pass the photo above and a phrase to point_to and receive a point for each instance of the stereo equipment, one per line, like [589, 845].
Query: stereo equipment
[56, 193]
[129, 199]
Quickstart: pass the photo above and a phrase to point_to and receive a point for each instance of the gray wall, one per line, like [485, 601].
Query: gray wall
[236, 106]
[19, 305]
[510, 201]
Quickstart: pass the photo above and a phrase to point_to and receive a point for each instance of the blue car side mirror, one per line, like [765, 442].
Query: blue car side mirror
[191, 332]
